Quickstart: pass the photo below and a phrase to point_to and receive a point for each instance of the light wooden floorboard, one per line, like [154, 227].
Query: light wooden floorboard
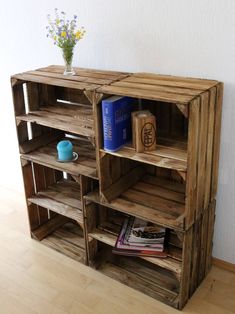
[36, 279]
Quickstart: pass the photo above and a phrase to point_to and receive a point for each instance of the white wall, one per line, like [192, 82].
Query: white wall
[181, 37]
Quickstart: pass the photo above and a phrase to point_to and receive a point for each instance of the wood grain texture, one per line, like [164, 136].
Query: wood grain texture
[216, 143]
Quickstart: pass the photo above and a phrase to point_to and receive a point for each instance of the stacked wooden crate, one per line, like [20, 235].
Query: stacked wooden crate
[173, 186]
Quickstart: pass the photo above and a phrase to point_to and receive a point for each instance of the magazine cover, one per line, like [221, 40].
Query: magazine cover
[140, 231]
[153, 248]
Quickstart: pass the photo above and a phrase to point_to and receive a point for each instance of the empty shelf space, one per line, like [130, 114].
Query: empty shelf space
[68, 239]
[63, 198]
[150, 199]
[171, 262]
[69, 118]
[85, 164]
[169, 154]
[140, 275]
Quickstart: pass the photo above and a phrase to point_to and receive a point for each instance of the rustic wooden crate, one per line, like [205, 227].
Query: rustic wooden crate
[55, 208]
[188, 115]
[187, 263]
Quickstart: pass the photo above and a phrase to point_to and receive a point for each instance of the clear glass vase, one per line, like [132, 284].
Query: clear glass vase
[68, 60]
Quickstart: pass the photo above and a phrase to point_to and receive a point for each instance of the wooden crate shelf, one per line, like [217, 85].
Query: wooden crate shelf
[150, 199]
[47, 156]
[148, 278]
[78, 208]
[73, 119]
[169, 154]
[68, 240]
[63, 197]
[172, 262]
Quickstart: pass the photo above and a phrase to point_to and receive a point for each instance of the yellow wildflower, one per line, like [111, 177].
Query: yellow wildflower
[63, 34]
[78, 35]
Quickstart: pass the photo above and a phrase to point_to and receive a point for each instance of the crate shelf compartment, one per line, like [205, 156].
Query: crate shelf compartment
[63, 197]
[77, 119]
[107, 225]
[168, 154]
[47, 155]
[136, 273]
[150, 199]
[67, 238]
[172, 262]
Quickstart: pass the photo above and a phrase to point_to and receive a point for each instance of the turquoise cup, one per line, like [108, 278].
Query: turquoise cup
[65, 150]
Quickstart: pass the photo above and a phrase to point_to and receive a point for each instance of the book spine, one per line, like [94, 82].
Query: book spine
[108, 126]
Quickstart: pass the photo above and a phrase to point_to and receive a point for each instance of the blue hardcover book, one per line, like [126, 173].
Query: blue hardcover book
[116, 114]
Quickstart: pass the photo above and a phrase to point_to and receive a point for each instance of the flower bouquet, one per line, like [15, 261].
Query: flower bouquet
[65, 35]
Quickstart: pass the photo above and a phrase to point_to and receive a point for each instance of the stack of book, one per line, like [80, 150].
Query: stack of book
[140, 238]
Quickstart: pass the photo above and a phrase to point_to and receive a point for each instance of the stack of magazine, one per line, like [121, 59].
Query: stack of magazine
[140, 238]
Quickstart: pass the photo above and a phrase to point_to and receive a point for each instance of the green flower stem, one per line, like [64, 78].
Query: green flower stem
[68, 55]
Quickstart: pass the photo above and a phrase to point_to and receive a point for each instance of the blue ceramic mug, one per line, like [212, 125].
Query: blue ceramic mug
[65, 150]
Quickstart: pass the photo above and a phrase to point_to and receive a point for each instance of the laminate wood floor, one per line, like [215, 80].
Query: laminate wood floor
[36, 279]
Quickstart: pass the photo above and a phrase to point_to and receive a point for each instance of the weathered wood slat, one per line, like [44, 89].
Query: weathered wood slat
[162, 157]
[33, 215]
[55, 81]
[209, 149]
[202, 153]
[184, 82]
[40, 174]
[164, 183]
[152, 86]
[186, 268]
[68, 211]
[191, 178]
[37, 142]
[78, 120]
[79, 77]
[160, 192]
[49, 227]
[146, 94]
[216, 142]
[86, 72]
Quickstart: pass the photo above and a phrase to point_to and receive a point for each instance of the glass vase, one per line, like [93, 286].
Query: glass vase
[68, 60]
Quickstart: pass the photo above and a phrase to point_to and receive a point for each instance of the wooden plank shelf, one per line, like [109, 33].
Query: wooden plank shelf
[169, 263]
[63, 198]
[150, 201]
[169, 154]
[73, 118]
[136, 273]
[85, 164]
[69, 241]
